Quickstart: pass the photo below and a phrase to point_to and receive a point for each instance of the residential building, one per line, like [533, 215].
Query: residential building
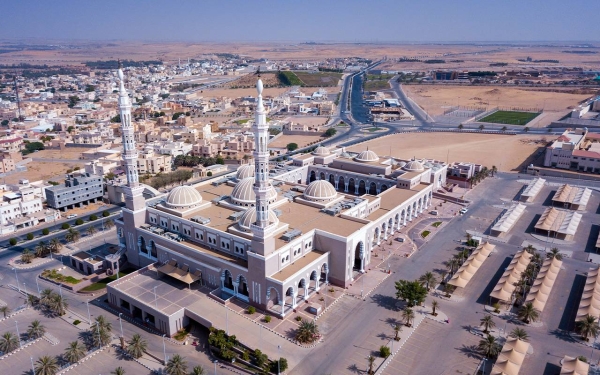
[77, 190]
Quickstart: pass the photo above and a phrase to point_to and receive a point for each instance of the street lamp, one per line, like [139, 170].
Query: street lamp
[18, 335]
[121, 324]
[99, 338]
[32, 366]
[17, 277]
[278, 359]
[215, 362]
[60, 289]
[87, 303]
[164, 348]
[38, 286]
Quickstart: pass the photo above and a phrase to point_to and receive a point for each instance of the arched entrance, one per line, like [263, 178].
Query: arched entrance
[242, 288]
[142, 245]
[321, 176]
[312, 177]
[303, 287]
[362, 188]
[359, 257]
[153, 252]
[273, 300]
[376, 237]
[325, 273]
[351, 186]
[383, 188]
[227, 282]
[373, 188]
[341, 184]
[290, 297]
[332, 180]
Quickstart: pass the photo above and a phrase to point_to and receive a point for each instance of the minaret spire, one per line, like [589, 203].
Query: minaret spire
[262, 185]
[129, 149]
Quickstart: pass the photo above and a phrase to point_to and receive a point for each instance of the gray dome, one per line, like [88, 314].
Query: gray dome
[320, 191]
[367, 157]
[244, 171]
[249, 217]
[414, 166]
[183, 197]
[321, 151]
[243, 193]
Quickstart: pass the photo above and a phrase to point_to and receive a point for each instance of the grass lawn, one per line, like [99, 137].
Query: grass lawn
[437, 224]
[320, 79]
[510, 117]
[373, 129]
[425, 233]
[377, 85]
[102, 283]
[55, 275]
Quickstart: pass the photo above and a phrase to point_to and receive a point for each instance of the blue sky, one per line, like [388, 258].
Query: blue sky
[302, 20]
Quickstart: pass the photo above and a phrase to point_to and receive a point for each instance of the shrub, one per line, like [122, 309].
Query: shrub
[260, 358]
[76, 322]
[227, 354]
[283, 365]
[384, 351]
[298, 318]
[65, 226]
[291, 146]
[246, 355]
[45, 231]
[496, 307]
[251, 310]
[78, 221]
[268, 319]
[30, 236]
[209, 174]
[331, 290]
[105, 213]
[93, 217]
[12, 241]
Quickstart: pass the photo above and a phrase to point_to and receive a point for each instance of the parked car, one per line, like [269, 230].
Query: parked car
[464, 211]
[435, 213]
[400, 239]
[71, 216]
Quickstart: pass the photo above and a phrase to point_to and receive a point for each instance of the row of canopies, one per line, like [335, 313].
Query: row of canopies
[466, 272]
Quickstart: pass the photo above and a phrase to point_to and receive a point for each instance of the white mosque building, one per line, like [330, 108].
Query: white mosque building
[268, 238]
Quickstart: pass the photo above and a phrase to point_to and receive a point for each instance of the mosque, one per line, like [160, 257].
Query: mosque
[273, 234]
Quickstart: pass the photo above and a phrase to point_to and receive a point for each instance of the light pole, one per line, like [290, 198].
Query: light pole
[226, 320]
[87, 303]
[17, 277]
[60, 289]
[99, 338]
[32, 366]
[38, 286]
[25, 288]
[278, 359]
[18, 335]
[215, 362]
[121, 324]
[164, 348]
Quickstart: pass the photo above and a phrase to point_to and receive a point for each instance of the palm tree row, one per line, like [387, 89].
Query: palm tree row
[100, 331]
[44, 248]
[457, 260]
[479, 176]
[72, 235]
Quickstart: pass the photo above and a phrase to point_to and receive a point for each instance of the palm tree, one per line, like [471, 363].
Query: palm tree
[489, 346]
[8, 342]
[198, 370]
[554, 254]
[371, 360]
[519, 333]
[5, 310]
[119, 370]
[488, 323]
[481, 127]
[46, 296]
[588, 326]
[58, 304]
[103, 323]
[137, 346]
[528, 312]
[408, 316]
[36, 330]
[72, 235]
[27, 256]
[176, 366]
[453, 265]
[307, 332]
[40, 249]
[530, 249]
[428, 279]
[75, 351]
[46, 365]
[100, 337]
[55, 245]
[434, 305]
[91, 230]
[397, 329]
[32, 300]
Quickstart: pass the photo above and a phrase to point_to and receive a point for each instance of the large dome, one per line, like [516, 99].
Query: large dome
[183, 197]
[321, 151]
[243, 193]
[367, 157]
[249, 217]
[414, 166]
[320, 191]
[244, 171]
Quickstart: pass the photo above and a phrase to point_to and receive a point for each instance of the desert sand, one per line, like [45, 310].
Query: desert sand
[506, 152]
[42, 171]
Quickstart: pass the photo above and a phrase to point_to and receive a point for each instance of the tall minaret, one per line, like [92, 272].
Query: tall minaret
[129, 151]
[262, 185]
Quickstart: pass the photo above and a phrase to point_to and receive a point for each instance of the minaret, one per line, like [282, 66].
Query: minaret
[261, 228]
[129, 151]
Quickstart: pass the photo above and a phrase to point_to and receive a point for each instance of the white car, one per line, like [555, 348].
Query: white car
[72, 216]
[464, 211]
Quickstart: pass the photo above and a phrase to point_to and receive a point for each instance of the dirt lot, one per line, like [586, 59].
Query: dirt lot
[268, 91]
[42, 171]
[506, 152]
[301, 140]
[69, 153]
[311, 121]
[435, 98]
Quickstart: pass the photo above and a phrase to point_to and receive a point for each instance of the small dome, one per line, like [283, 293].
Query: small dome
[244, 171]
[367, 157]
[249, 217]
[183, 197]
[402, 164]
[414, 166]
[243, 193]
[320, 191]
[321, 151]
